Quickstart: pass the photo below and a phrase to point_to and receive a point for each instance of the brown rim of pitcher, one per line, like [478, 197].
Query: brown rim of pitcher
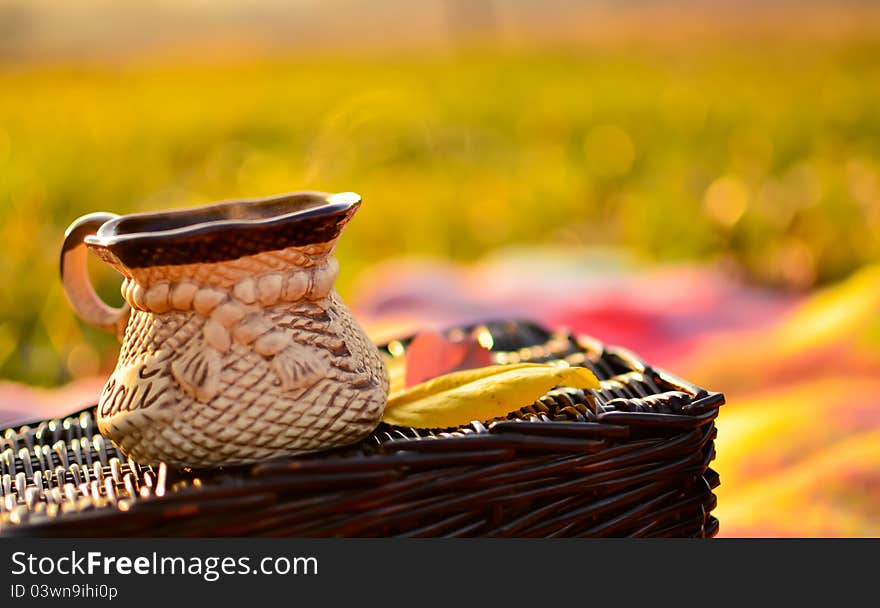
[216, 232]
[192, 235]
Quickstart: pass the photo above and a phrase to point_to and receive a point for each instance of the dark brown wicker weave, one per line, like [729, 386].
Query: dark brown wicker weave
[628, 460]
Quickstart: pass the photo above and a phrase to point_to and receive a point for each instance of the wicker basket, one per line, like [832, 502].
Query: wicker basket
[628, 460]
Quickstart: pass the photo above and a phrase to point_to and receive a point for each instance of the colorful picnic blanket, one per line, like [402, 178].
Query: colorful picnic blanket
[799, 439]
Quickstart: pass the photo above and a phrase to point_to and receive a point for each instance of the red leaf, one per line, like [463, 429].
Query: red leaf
[430, 354]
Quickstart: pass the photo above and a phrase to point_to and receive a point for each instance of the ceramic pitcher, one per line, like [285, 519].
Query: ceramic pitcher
[235, 345]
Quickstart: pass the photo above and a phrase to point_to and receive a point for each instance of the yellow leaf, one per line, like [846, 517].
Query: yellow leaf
[480, 394]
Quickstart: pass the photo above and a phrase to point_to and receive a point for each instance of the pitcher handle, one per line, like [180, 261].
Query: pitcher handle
[75, 277]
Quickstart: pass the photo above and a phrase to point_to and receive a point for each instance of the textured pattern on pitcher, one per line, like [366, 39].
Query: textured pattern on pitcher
[241, 360]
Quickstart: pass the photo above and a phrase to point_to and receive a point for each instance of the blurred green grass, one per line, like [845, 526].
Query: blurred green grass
[766, 159]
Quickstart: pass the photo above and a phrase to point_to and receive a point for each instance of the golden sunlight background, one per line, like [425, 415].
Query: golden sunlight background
[697, 182]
